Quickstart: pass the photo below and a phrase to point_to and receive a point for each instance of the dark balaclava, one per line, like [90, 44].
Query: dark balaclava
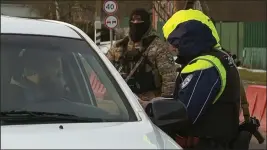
[137, 30]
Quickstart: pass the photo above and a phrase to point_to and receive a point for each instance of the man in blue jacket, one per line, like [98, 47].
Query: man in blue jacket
[208, 84]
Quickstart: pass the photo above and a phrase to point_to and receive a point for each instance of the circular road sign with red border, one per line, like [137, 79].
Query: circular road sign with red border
[111, 22]
[110, 7]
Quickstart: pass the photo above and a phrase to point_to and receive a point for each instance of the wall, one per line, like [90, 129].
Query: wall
[238, 10]
[233, 10]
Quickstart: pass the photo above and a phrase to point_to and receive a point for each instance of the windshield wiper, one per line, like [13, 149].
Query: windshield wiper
[35, 115]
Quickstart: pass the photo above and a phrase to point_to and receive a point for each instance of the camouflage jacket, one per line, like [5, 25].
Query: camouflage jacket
[159, 56]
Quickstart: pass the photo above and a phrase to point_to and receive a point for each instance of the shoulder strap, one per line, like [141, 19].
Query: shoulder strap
[244, 102]
[243, 97]
[144, 53]
[147, 41]
[135, 68]
[123, 43]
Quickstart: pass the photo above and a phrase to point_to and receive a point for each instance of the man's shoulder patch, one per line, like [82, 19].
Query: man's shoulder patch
[186, 81]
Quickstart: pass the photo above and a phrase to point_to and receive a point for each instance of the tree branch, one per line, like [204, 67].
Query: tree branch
[154, 7]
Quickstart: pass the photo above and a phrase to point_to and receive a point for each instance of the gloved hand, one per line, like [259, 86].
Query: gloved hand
[251, 126]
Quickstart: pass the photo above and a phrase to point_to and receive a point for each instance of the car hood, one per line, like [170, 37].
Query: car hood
[131, 135]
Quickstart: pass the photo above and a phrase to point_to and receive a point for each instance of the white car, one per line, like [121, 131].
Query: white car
[59, 91]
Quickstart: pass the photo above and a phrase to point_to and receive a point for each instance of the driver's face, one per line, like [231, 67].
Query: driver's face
[50, 79]
[50, 69]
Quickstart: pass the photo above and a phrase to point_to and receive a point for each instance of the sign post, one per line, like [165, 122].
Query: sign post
[111, 37]
[111, 21]
[97, 32]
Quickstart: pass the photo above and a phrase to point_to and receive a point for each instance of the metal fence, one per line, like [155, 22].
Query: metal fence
[247, 40]
[254, 58]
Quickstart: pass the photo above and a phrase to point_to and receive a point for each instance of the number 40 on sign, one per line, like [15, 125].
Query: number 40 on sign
[110, 7]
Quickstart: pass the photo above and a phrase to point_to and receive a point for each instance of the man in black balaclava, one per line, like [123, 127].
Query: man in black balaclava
[139, 24]
[156, 74]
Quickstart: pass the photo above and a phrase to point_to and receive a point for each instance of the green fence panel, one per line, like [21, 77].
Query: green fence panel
[240, 40]
[254, 58]
[231, 36]
[218, 27]
[255, 34]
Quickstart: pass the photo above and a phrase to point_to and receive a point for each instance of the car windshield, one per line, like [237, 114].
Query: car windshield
[55, 75]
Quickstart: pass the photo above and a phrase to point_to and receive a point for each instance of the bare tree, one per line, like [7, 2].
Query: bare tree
[68, 11]
[78, 13]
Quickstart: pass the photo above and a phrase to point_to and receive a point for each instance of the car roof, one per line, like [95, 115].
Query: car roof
[16, 25]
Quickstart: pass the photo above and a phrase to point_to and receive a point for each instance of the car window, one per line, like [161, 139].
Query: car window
[59, 75]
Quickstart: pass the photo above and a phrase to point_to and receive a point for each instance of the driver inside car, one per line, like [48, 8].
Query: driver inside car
[40, 78]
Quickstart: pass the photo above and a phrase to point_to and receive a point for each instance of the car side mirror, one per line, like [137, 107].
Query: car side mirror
[167, 114]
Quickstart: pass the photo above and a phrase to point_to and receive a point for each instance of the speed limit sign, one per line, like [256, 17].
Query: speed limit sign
[110, 7]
